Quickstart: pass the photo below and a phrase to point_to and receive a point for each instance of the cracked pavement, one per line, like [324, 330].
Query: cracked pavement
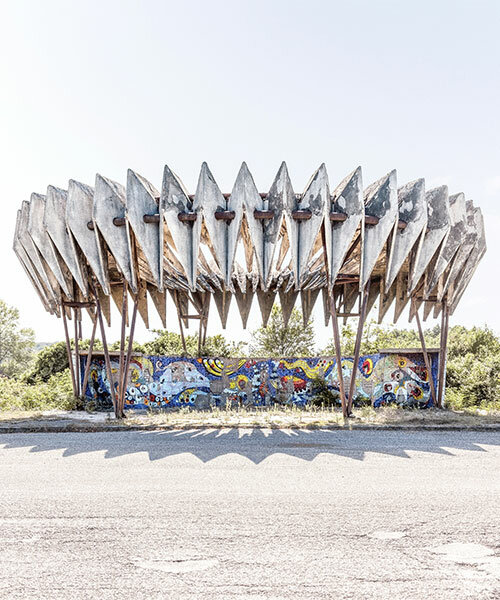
[246, 514]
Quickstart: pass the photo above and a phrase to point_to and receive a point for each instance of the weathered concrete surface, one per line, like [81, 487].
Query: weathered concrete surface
[250, 514]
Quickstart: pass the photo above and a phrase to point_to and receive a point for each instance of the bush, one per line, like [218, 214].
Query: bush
[49, 361]
[323, 395]
[55, 393]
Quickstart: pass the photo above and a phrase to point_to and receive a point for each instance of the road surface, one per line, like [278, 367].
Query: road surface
[247, 514]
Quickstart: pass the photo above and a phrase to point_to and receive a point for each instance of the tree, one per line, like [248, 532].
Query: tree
[275, 339]
[16, 345]
[169, 343]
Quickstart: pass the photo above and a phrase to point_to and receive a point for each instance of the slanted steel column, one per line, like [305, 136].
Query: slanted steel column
[107, 358]
[121, 395]
[338, 353]
[443, 345]
[77, 352]
[68, 350]
[357, 346]
[123, 383]
[428, 364]
[89, 355]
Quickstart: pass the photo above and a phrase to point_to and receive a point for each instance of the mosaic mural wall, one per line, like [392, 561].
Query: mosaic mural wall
[162, 382]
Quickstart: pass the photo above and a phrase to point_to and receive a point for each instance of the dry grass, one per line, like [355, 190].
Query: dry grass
[272, 417]
[307, 418]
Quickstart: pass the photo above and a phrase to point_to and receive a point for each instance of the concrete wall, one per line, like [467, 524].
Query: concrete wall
[165, 381]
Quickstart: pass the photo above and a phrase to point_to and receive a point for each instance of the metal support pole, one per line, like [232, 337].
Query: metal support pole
[89, 356]
[428, 365]
[127, 359]
[77, 354]
[106, 357]
[180, 321]
[357, 347]
[68, 350]
[442, 353]
[122, 347]
[338, 353]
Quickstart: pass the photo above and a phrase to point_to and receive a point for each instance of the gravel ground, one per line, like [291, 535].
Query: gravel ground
[242, 513]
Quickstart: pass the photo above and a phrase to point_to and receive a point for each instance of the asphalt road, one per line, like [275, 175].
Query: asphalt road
[250, 514]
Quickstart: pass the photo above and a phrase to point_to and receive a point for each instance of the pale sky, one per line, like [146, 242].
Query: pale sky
[100, 86]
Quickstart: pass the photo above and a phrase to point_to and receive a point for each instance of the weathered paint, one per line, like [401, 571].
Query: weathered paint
[163, 382]
[79, 206]
[55, 224]
[110, 203]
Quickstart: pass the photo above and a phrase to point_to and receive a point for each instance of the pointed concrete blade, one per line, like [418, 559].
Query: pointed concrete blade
[386, 300]
[468, 242]
[266, 301]
[142, 303]
[303, 233]
[246, 193]
[110, 203]
[428, 307]
[453, 241]
[210, 200]
[438, 226]
[412, 210]
[462, 281]
[325, 294]
[28, 267]
[160, 302]
[222, 301]
[308, 300]
[402, 297]
[287, 301]
[32, 254]
[244, 302]
[117, 295]
[236, 203]
[55, 224]
[79, 207]
[350, 296]
[347, 199]
[185, 234]
[41, 238]
[105, 302]
[280, 195]
[143, 199]
[373, 294]
[381, 201]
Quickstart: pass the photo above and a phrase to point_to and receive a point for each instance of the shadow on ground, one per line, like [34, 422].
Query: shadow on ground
[255, 444]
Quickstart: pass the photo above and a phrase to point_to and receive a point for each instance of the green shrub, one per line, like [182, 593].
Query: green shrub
[56, 393]
[322, 394]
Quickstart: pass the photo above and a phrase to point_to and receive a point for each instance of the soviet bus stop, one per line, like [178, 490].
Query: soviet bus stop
[348, 245]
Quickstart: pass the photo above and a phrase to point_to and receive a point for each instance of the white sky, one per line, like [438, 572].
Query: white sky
[99, 86]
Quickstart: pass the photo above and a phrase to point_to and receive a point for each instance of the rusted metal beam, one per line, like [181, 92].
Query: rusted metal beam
[338, 217]
[263, 215]
[225, 215]
[187, 217]
[78, 304]
[303, 214]
[151, 218]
